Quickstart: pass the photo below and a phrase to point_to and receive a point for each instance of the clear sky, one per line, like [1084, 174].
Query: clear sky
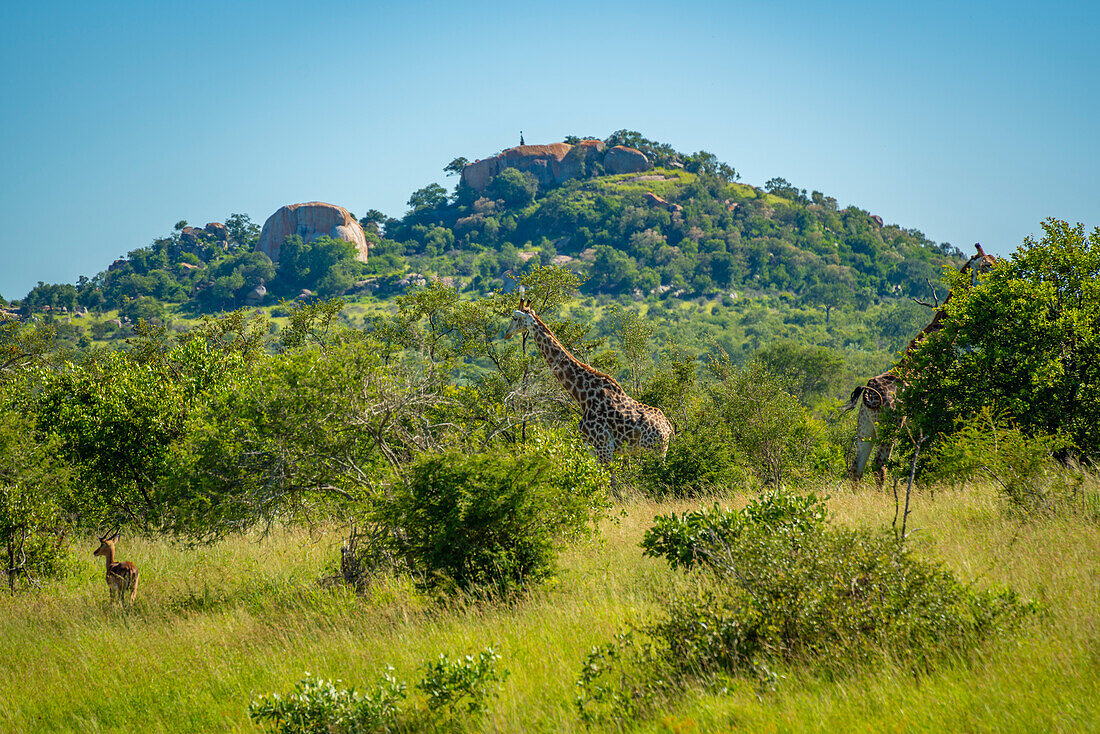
[968, 121]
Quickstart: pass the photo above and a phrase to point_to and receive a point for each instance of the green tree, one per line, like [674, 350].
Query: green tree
[455, 166]
[242, 230]
[633, 334]
[708, 164]
[517, 188]
[33, 486]
[1025, 342]
[809, 369]
[325, 265]
[431, 197]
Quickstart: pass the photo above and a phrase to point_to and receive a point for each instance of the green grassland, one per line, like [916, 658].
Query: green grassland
[214, 627]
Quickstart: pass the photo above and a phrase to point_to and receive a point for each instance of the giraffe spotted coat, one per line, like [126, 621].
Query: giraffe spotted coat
[612, 421]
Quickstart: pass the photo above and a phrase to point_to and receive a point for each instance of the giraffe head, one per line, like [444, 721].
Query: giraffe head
[979, 264]
[522, 318]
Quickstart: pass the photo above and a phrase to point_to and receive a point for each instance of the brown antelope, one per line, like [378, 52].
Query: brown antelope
[122, 576]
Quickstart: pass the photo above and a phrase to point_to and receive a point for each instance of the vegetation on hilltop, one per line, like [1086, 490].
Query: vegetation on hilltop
[706, 234]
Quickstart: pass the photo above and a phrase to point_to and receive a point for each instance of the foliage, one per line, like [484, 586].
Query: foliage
[1025, 340]
[325, 265]
[464, 685]
[701, 458]
[797, 593]
[116, 416]
[1022, 466]
[319, 706]
[493, 520]
[22, 345]
[774, 434]
[810, 370]
[456, 692]
[300, 435]
[33, 488]
[683, 540]
[455, 166]
[242, 230]
[633, 334]
[515, 187]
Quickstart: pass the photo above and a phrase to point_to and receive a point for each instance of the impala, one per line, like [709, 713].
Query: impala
[121, 576]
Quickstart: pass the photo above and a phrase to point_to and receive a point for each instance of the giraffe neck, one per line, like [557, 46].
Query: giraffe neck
[574, 375]
[972, 265]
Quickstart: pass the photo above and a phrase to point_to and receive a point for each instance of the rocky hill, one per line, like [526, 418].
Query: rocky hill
[636, 218]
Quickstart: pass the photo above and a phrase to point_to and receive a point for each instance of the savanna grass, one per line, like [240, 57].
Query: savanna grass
[215, 627]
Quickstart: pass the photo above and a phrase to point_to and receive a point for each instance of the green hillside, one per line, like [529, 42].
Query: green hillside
[710, 261]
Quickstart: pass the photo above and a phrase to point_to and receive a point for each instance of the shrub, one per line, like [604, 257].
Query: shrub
[773, 433]
[682, 539]
[1026, 340]
[456, 692]
[318, 706]
[701, 459]
[784, 588]
[465, 684]
[1022, 467]
[493, 520]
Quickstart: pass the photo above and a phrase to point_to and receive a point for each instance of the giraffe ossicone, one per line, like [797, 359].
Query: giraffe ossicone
[611, 421]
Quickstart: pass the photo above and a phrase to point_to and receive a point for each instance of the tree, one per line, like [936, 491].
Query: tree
[33, 483]
[1025, 342]
[708, 164]
[455, 166]
[431, 197]
[22, 345]
[325, 264]
[115, 416]
[517, 188]
[810, 370]
[242, 230]
[785, 189]
[373, 221]
[633, 334]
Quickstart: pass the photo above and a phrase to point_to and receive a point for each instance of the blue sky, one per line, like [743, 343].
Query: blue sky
[968, 121]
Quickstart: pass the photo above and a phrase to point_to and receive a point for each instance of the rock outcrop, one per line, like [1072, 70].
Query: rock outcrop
[555, 163]
[622, 159]
[311, 220]
[214, 234]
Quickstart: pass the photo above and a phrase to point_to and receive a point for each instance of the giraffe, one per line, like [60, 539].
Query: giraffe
[879, 396]
[611, 420]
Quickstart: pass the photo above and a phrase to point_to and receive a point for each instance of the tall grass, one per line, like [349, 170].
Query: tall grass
[214, 627]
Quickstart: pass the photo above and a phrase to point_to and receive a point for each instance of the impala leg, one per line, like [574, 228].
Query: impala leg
[133, 590]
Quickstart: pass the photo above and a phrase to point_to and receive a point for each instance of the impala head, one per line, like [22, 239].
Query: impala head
[522, 317]
[106, 544]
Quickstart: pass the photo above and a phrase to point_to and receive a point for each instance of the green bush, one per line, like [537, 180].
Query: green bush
[773, 433]
[493, 520]
[455, 692]
[786, 589]
[685, 539]
[701, 459]
[318, 706]
[1022, 467]
[462, 686]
